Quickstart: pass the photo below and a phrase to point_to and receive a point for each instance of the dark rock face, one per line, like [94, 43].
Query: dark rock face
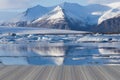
[109, 26]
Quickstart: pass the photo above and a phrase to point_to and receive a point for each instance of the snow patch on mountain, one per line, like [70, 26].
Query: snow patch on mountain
[55, 14]
[59, 13]
[115, 12]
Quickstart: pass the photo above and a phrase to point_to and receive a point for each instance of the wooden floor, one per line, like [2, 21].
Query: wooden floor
[59, 72]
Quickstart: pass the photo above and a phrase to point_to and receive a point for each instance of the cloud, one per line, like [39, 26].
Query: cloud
[11, 4]
[102, 1]
[20, 4]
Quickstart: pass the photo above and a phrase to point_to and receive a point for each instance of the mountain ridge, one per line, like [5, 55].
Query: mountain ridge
[72, 16]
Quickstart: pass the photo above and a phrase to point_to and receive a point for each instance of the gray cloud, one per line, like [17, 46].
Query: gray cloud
[102, 1]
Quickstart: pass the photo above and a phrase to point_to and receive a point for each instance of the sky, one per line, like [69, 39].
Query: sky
[22, 4]
[10, 8]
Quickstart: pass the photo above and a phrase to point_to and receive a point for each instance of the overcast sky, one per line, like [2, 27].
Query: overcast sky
[21, 4]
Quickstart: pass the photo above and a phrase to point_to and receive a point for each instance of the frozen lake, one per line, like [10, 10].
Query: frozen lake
[60, 53]
[32, 46]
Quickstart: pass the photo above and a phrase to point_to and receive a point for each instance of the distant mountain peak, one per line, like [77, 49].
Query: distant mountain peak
[68, 4]
[35, 7]
[56, 13]
[32, 13]
[58, 8]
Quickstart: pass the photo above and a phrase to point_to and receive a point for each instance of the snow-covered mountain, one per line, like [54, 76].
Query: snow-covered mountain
[114, 12]
[71, 16]
[67, 16]
[109, 22]
[32, 13]
[62, 17]
[109, 14]
[111, 25]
